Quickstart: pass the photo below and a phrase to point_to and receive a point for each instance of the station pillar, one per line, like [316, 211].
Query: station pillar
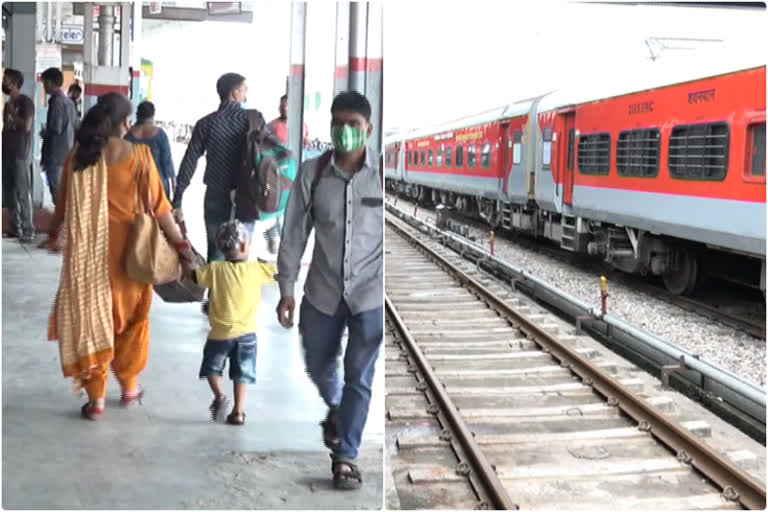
[136, 55]
[101, 74]
[359, 57]
[296, 79]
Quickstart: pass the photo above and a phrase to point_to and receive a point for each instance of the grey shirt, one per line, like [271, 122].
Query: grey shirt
[348, 217]
[59, 130]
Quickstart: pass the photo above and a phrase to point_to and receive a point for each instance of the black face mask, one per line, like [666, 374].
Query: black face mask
[6, 89]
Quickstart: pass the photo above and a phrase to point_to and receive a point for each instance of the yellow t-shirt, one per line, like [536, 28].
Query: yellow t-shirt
[235, 295]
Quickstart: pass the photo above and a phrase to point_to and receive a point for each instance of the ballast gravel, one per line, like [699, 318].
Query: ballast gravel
[729, 348]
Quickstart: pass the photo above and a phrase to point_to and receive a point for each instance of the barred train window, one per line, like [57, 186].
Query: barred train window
[699, 152]
[757, 151]
[440, 157]
[471, 156]
[637, 153]
[448, 156]
[485, 155]
[595, 154]
[546, 148]
[429, 158]
[422, 158]
[459, 156]
[517, 148]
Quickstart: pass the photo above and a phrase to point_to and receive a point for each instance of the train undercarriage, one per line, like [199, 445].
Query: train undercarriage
[681, 264]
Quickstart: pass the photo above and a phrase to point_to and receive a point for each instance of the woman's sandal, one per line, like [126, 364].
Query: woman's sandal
[91, 412]
[346, 476]
[129, 398]
[236, 419]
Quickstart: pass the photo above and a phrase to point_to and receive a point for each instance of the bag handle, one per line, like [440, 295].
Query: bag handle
[143, 166]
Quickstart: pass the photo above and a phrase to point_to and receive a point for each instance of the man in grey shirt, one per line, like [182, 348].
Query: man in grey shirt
[340, 195]
[59, 131]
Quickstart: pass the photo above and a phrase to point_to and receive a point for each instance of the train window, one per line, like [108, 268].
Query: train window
[429, 158]
[422, 158]
[440, 157]
[571, 148]
[756, 138]
[699, 152]
[410, 158]
[637, 153]
[485, 155]
[595, 154]
[471, 156]
[546, 148]
[459, 156]
[448, 156]
[517, 148]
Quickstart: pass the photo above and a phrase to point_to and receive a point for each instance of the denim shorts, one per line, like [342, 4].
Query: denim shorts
[242, 359]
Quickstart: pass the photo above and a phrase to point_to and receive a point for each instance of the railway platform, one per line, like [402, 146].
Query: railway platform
[165, 452]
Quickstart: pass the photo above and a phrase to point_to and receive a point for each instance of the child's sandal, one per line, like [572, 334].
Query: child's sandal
[236, 419]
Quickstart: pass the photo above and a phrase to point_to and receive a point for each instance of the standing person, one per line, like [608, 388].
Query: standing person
[236, 284]
[341, 198]
[75, 93]
[145, 131]
[18, 118]
[101, 316]
[279, 125]
[59, 131]
[220, 136]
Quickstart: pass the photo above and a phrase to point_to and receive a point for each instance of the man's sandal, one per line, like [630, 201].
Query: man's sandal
[346, 476]
[236, 419]
[330, 429]
[91, 412]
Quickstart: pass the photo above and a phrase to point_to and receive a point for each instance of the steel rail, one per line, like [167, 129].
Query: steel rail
[493, 486]
[710, 370]
[735, 484]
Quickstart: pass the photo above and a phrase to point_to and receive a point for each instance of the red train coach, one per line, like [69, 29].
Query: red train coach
[652, 180]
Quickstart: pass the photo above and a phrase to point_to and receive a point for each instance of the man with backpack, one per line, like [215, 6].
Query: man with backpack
[221, 137]
[340, 196]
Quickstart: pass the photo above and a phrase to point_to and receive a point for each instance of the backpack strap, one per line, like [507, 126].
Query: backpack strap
[322, 164]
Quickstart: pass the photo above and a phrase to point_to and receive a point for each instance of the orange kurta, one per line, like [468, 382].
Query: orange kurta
[131, 300]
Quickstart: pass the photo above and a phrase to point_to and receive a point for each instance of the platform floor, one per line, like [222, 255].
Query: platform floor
[164, 453]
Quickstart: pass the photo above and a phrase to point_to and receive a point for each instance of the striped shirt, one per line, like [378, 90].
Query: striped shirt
[220, 136]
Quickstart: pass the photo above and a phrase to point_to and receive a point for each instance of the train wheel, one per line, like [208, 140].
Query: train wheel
[683, 280]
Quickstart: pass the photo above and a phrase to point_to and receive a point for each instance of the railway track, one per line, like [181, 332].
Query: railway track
[490, 406]
[741, 315]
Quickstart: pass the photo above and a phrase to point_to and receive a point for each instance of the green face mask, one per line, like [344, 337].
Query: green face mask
[347, 138]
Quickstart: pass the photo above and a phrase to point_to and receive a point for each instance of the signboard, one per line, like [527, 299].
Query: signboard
[72, 34]
[47, 55]
[155, 7]
[224, 8]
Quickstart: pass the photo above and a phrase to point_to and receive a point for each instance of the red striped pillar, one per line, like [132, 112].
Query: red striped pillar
[296, 78]
[357, 43]
[374, 85]
[341, 73]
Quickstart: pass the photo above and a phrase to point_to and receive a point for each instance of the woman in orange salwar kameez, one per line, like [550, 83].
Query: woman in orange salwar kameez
[101, 316]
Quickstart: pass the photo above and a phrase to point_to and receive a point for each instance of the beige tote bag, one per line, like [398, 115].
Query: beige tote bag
[150, 257]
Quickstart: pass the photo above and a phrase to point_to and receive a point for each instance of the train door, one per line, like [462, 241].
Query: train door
[504, 157]
[567, 158]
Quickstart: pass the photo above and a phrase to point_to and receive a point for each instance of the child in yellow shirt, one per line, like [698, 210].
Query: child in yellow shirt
[235, 286]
